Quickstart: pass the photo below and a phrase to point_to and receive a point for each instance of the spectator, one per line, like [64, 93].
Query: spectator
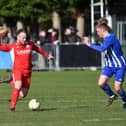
[53, 38]
[70, 36]
[53, 35]
[43, 38]
[10, 38]
[3, 32]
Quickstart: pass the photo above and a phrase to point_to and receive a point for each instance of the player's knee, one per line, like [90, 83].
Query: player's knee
[23, 92]
[100, 84]
[118, 86]
[18, 84]
[102, 81]
[117, 89]
[23, 95]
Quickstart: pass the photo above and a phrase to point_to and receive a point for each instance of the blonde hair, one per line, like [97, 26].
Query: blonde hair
[103, 26]
[103, 21]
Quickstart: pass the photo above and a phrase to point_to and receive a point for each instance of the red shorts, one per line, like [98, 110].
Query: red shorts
[24, 76]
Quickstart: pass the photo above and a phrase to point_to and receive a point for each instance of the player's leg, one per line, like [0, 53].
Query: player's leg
[12, 81]
[103, 79]
[21, 87]
[119, 78]
[16, 87]
[102, 82]
[121, 92]
[23, 92]
[15, 94]
[25, 85]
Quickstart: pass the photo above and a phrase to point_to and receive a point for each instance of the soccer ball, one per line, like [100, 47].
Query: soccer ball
[34, 104]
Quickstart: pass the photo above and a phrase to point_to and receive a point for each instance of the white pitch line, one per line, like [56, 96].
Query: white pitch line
[101, 120]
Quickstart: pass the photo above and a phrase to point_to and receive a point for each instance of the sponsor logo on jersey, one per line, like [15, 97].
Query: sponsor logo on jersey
[24, 51]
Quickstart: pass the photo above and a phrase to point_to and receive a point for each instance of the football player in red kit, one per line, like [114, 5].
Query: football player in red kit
[21, 51]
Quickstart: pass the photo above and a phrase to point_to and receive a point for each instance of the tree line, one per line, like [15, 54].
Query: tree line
[35, 14]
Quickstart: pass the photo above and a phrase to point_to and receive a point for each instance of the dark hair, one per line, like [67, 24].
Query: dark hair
[73, 29]
[19, 31]
[1, 24]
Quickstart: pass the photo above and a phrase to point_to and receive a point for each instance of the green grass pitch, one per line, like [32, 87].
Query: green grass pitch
[68, 98]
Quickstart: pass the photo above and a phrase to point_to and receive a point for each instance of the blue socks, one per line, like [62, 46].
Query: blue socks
[122, 94]
[108, 90]
[110, 93]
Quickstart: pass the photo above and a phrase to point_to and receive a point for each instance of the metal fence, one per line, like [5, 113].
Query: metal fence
[67, 56]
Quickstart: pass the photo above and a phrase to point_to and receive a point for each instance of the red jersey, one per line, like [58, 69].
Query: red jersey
[22, 54]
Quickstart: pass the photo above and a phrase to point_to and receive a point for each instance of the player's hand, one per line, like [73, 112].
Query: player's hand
[50, 57]
[86, 41]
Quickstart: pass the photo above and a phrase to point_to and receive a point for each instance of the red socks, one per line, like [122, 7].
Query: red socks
[14, 98]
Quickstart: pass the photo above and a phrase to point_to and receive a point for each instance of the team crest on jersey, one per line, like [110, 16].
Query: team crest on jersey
[27, 46]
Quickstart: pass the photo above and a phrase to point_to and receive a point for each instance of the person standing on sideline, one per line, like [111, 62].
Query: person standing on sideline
[21, 51]
[115, 62]
[3, 32]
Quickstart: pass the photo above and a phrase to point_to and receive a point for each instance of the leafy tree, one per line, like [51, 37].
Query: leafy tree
[19, 8]
[30, 11]
[35, 8]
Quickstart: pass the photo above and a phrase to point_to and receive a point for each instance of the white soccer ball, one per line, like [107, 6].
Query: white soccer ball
[34, 104]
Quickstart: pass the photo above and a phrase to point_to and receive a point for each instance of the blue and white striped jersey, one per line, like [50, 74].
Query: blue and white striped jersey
[113, 52]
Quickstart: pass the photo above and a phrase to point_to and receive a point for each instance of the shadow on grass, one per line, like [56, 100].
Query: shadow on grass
[72, 107]
[62, 108]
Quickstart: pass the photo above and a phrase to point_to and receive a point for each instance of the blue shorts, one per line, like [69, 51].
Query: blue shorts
[118, 72]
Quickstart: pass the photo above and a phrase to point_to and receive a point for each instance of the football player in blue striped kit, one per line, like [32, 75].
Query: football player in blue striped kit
[115, 62]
